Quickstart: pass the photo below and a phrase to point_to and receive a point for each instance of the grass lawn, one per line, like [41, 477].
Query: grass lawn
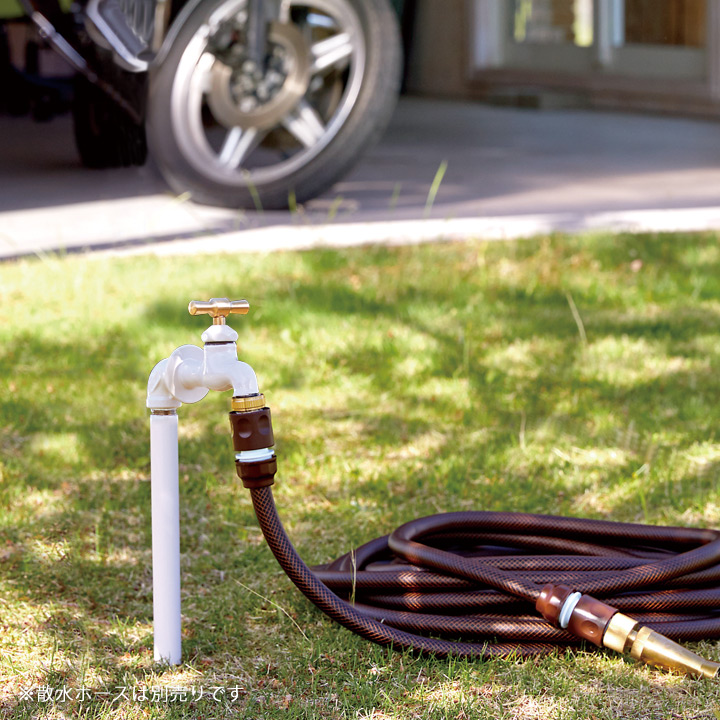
[559, 375]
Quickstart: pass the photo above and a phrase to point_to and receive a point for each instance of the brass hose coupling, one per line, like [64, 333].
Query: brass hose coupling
[604, 626]
[253, 440]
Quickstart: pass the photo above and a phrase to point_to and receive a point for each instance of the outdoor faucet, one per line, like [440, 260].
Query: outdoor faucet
[190, 373]
[186, 377]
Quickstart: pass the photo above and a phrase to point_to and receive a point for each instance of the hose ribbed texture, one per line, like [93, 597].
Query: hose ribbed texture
[470, 579]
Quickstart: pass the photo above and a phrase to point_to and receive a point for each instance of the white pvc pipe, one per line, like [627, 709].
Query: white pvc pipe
[165, 536]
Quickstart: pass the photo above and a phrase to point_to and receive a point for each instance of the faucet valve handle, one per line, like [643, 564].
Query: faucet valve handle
[219, 308]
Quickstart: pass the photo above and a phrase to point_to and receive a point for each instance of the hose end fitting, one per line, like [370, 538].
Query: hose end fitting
[251, 425]
[582, 615]
[257, 474]
[603, 625]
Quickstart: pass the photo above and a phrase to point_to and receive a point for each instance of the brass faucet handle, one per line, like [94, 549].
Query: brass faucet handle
[219, 308]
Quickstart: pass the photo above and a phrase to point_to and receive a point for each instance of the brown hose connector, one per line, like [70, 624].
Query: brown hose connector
[467, 583]
[252, 430]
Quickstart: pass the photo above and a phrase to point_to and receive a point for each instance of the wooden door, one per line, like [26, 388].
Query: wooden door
[666, 22]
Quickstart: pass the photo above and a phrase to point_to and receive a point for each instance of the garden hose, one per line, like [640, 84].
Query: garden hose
[504, 584]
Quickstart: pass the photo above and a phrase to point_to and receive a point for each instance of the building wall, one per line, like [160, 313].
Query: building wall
[438, 63]
[442, 46]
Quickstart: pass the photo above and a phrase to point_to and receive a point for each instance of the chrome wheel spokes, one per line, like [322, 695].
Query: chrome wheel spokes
[237, 121]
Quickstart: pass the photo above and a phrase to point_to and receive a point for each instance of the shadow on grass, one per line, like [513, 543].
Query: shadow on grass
[458, 387]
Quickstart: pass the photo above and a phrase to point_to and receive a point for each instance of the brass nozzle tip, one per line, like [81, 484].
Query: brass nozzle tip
[654, 648]
[248, 403]
[624, 635]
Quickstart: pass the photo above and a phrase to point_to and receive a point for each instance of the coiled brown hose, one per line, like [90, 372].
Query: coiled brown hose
[472, 578]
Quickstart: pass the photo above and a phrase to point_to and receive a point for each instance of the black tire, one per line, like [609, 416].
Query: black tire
[105, 136]
[188, 165]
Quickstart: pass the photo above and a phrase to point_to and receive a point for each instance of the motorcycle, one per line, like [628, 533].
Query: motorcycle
[241, 103]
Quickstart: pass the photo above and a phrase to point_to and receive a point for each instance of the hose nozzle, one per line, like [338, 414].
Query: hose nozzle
[626, 635]
[603, 625]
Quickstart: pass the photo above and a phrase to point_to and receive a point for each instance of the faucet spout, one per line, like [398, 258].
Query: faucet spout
[223, 371]
[244, 380]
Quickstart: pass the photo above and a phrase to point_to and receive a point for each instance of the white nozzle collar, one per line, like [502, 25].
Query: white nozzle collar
[568, 608]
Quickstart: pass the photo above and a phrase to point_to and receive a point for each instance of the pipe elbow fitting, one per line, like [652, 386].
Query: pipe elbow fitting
[159, 395]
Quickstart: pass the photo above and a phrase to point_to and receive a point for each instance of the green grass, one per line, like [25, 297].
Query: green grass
[562, 375]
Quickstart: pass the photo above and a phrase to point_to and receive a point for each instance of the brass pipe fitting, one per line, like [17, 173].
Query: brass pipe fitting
[248, 403]
[620, 630]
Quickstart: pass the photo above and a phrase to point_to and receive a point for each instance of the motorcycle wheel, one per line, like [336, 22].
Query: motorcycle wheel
[229, 133]
[104, 136]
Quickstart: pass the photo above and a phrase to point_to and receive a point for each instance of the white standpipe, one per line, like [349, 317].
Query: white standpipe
[185, 377]
[165, 535]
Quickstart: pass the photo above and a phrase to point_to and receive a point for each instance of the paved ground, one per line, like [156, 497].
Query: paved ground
[510, 173]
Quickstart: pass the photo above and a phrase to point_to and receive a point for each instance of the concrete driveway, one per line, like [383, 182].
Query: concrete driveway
[510, 173]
